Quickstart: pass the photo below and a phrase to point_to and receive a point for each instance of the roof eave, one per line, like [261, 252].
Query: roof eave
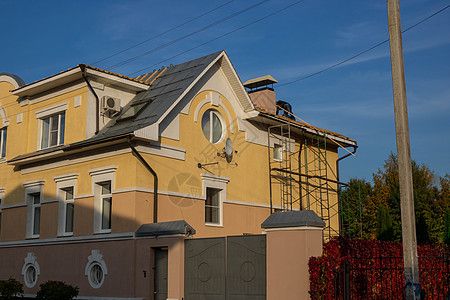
[344, 141]
[74, 74]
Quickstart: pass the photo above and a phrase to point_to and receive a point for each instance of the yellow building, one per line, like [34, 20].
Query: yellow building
[87, 156]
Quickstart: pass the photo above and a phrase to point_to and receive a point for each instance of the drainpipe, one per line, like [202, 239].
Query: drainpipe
[97, 101]
[155, 180]
[339, 188]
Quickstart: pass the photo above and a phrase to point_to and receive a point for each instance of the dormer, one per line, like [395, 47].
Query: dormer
[107, 93]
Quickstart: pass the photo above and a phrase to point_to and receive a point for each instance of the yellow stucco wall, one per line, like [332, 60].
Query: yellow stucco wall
[248, 174]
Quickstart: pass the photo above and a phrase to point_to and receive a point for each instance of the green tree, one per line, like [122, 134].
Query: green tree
[352, 201]
[429, 201]
[446, 231]
[385, 229]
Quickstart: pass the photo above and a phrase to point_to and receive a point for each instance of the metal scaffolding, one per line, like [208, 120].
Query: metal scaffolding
[301, 176]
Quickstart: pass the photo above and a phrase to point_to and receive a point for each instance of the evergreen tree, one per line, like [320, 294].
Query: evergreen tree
[446, 233]
[385, 230]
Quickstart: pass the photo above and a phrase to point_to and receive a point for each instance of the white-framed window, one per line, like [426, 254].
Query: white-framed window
[277, 152]
[215, 193]
[213, 126]
[53, 128]
[69, 206]
[103, 187]
[52, 124]
[65, 192]
[212, 206]
[3, 134]
[106, 204]
[95, 269]
[33, 198]
[30, 270]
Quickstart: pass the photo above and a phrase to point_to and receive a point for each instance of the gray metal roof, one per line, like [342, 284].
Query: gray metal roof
[165, 228]
[164, 91]
[293, 219]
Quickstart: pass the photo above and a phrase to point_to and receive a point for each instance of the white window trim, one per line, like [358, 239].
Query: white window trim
[32, 187]
[222, 123]
[30, 261]
[281, 148]
[100, 175]
[52, 110]
[3, 143]
[95, 259]
[64, 182]
[219, 183]
[46, 113]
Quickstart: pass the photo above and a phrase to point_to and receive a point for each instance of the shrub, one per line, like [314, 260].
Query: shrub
[10, 288]
[377, 269]
[56, 290]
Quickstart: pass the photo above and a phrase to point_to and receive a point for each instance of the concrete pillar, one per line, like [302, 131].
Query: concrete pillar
[292, 238]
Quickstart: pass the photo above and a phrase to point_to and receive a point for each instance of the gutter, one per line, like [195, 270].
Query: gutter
[97, 100]
[155, 179]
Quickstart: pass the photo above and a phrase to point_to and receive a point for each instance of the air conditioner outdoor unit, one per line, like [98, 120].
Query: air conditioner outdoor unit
[110, 105]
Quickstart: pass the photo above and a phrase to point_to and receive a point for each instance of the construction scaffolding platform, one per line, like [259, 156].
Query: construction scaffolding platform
[301, 176]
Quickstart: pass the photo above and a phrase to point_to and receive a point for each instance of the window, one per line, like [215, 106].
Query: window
[65, 192]
[95, 269]
[3, 133]
[106, 201]
[30, 270]
[53, 128]
[215, 193]
[212, 206]
[103, 187]
[277, 152]
[68, 210]
[212, 126]
[35, 200]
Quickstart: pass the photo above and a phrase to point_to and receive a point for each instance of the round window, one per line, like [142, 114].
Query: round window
[95, 269]
[30, 276]
[212, 126]
[96, 275]
[30, 270]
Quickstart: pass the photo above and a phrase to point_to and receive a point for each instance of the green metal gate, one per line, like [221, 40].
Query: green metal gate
[232, 268]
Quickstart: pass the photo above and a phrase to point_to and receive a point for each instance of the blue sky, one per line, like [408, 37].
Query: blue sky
[42, 38]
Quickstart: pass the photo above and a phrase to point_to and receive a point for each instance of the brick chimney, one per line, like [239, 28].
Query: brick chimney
[261, 93]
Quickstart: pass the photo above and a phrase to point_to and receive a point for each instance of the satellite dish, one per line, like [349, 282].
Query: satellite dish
[229, 150]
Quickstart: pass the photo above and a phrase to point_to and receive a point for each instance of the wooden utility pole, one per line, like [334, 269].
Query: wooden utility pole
[410, 259]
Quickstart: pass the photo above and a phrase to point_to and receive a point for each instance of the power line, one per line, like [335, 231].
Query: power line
[219, 37]
[361, 53]
[162, 33]
[186, 36]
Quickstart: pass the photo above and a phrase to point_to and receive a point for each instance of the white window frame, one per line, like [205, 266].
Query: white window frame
[103, 197]
[218, 183]
[49, 112]
[30, 262]
[222, 124]
[277, 151]
[3, 138]
[99, 176]
[95, 260]
[64, 182]
[32, 188]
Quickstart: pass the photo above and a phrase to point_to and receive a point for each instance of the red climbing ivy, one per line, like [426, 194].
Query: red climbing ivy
[376, 268]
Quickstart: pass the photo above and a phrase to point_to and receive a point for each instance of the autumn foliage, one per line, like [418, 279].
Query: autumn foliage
[375, 270]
